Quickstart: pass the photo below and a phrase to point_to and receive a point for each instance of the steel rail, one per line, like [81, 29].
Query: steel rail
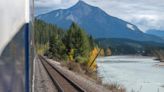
[74, 86]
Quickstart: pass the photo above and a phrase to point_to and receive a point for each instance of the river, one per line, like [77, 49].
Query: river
[137, 73]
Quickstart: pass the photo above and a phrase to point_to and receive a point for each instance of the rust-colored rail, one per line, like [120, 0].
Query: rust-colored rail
[62, 83]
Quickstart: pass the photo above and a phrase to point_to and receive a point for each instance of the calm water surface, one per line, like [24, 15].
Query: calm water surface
[137, 73]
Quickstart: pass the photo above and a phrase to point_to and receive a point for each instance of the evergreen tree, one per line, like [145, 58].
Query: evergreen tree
[58, 44]
[76, 39]
[56, 48]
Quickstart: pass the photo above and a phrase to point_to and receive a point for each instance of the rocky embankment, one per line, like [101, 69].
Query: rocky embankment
[86, 83]
[42, 82]
[160, 55]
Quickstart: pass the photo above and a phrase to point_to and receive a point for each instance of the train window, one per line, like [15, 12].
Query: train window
[14, 26]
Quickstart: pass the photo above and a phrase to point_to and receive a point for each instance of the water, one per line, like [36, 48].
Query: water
[137, 73]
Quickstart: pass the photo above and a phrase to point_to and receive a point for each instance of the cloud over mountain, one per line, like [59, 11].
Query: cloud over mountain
[146, 14]
[96, 22]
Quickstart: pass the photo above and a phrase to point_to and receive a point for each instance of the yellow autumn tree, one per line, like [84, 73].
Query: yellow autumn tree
[92, 59]
[102, 53]
[71, 54]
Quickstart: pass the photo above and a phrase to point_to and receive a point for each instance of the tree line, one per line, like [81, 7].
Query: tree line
[73, 44]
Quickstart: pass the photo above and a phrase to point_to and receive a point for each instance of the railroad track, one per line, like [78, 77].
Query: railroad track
[61, 82]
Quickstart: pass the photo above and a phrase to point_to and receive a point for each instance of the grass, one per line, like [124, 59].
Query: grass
[115, 87]
[73, 66]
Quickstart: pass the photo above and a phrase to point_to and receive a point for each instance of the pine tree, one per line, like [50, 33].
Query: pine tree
[77, 40]
[56, 48]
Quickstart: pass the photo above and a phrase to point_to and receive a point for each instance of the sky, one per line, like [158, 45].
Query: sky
[146, 14]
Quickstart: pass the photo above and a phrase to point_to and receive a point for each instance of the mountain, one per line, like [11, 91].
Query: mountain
[96, 22]
[159, 33]
[121, 46]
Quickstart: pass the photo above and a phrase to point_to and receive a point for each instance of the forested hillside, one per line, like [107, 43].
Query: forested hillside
[127, 46]
[73, 44]
[43, 33]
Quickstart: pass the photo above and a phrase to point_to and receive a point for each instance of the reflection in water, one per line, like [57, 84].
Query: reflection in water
[12, 65]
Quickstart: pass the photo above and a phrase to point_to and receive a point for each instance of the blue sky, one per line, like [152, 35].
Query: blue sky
[146, 14]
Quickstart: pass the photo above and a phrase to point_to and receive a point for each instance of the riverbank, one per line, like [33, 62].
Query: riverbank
[84, 81]
[161, 64]
[160, 55]
[90, 76]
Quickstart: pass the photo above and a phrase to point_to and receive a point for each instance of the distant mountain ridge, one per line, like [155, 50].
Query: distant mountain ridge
[159, 33]
[96, 22]
[121, 46]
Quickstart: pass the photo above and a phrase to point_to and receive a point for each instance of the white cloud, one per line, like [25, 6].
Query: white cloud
[43, 6]
[146, 14]
[46, 3]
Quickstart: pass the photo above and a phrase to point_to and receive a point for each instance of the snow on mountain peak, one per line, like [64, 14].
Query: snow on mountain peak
[71, 17]
[57, 14]
[130, 26]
